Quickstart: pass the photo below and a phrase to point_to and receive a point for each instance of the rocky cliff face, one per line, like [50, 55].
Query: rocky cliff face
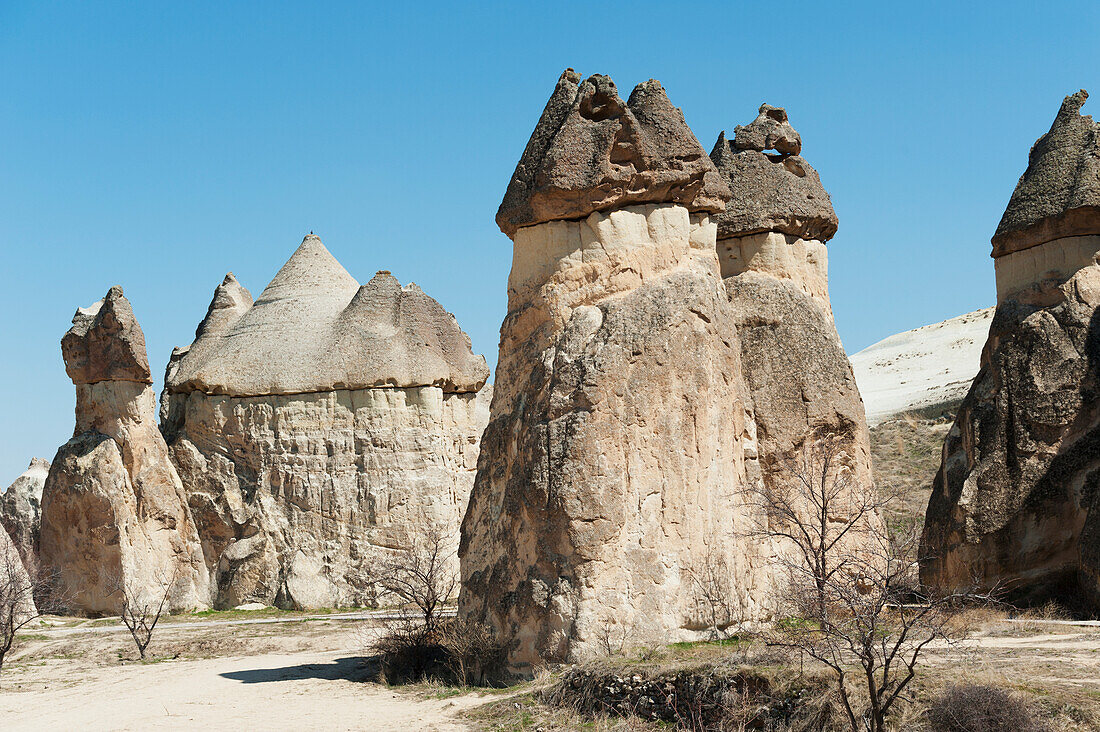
[21, 510]
[113, 507]
[771, 245]
[320, 427]
[614, 455]
[1015, 500]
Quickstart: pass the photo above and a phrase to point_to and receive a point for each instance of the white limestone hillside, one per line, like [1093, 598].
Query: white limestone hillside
[921, 367]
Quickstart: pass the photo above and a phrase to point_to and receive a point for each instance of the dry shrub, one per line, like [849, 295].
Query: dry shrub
[456, 651]
[703, 699]
[981, 708]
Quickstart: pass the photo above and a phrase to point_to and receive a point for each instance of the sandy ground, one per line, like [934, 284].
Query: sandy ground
[313, 673]
[305, 675]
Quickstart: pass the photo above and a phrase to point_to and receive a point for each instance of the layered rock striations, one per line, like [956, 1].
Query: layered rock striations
[21, 510]
[114, 514]
[1015, 502]
[771, 247]
[320, 427]
[615, 454]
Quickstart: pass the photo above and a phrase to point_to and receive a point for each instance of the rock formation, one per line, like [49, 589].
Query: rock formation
[319, 427]
[16, 585]
[113, 507]
[1015, 502]
[20, 510]
[771, 246]
[615, 449]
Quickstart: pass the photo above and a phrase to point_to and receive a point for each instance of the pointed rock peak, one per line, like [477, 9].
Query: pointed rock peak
[311, 270]
[1059, 193]
[231, 300]
[591, 151]
[38, 464]
[772, 191]
[106, 343]
[769, 131]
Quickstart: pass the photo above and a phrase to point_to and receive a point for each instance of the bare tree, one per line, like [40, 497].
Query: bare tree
[712, 592]
[142, 608]
[18, 588]
[424, 574]
[821, 508]
[848, 591]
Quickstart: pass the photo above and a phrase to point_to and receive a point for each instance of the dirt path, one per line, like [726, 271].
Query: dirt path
[271, 692]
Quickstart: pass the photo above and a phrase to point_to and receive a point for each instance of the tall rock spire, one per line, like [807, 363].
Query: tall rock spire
[611, 466]
[114, 515]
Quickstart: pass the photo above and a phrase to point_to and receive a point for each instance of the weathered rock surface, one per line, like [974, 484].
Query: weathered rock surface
[16, 586]
[1059, 194]
[772, 191]
[21, 510]
[591, 151]
[113, 507]
[615, 452]
[1014, 503]
[321, 427]
[776, 274]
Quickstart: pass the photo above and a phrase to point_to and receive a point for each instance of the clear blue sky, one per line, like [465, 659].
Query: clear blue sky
[160, 145]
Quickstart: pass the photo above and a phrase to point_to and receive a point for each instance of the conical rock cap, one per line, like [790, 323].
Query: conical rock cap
[772, 191]
[314, 329]
[591, 151]
[1059, 193]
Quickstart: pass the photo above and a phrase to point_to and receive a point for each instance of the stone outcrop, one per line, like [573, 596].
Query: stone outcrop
[21, 510]
[1015, 502]
[320, 427]
[16, 585]
[616, 448]
[113, 508]
[774, 188]
[591, 152]
[771, 247]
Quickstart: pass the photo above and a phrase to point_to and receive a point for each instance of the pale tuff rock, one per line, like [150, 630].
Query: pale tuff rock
[15, 579]
[772, 191]
[20, 510]
[320, 428]
[113, 507]
[591, 151]
[615, 454]
[1014, 503]
[1058, 195]
[930, 367]
[313, 328]
[776, 273]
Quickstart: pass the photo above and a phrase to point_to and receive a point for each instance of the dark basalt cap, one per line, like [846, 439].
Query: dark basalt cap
[777, 191]
[591, 151]
[1059, 193]
[106, 343]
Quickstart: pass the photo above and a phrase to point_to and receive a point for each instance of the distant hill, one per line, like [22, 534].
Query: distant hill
[923, 368]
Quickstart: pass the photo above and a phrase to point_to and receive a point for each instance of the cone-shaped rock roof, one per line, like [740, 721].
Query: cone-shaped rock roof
[313, 328]
[591, 151]
[772, 191]
[1059, 193]
[106, 343]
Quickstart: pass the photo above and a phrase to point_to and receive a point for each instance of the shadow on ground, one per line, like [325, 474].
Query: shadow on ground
[353, 668]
